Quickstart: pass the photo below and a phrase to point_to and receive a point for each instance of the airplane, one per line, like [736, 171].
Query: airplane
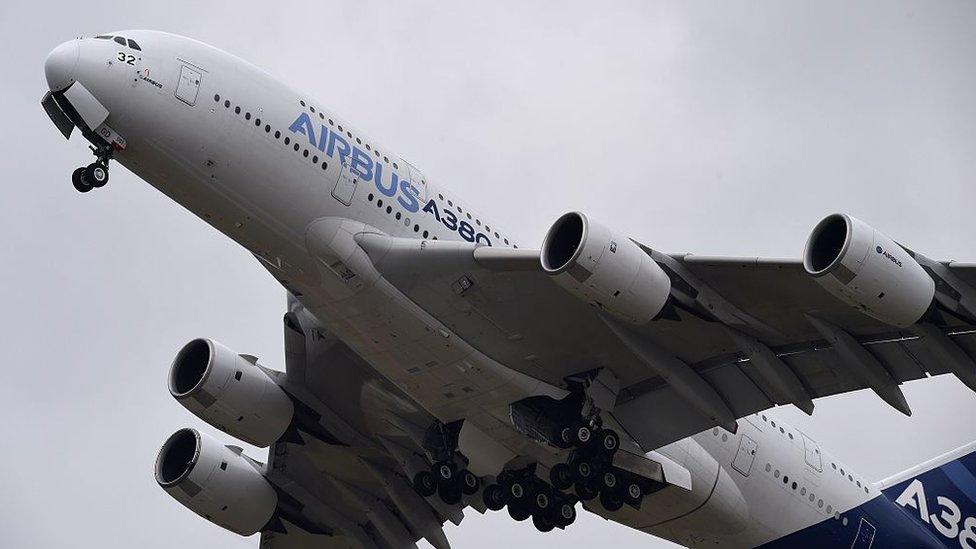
[435, 361]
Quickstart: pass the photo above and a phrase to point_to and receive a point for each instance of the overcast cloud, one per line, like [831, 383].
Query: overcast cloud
[719, 128]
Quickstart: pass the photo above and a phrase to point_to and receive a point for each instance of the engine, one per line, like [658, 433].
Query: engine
[230, 392]
[866, 269]
[216, 482]
[604, 269]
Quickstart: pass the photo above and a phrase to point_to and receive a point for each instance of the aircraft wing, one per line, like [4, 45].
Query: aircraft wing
[336, 486]
[748, 334]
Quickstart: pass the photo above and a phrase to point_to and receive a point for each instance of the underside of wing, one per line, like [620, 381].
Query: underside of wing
[732, 336]
[339, 487]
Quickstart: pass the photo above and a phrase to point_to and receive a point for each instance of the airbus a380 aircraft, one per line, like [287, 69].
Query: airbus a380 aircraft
[433, 364]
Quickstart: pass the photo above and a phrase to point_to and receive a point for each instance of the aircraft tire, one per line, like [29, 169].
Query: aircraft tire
[424, 484]
[450, 493]
[444, 472]
[633, 493]
[518, 511]
[561, 476]
[565, 514]
[586, 491]
[609, 440]
[611, 501]
[542, 522]
[96, 175]
[78, 180]
[469, 482]
[494, 497]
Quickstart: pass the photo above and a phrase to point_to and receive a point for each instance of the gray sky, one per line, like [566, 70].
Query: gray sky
[720, 128]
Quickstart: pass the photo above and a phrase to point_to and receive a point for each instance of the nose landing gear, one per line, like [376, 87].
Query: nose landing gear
[94, 175]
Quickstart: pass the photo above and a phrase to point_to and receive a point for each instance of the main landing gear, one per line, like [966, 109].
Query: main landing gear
[526, 495]
[94, 175]
[447, 476]
[447, 481]
[589, 471]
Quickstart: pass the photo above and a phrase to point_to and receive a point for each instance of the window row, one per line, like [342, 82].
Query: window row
[811, 497]
[314, 158]
[376, 152]
[475, 219]
[348, 132]
[850, 477]
[399, 215]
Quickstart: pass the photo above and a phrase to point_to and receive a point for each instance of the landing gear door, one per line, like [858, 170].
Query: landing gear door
[745, 456]
[345, 186]
[189, 85]
[812, 454]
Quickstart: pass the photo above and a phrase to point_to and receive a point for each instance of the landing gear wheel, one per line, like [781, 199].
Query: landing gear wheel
[561, 476]
[565, 514]
[609, 481]
[566, 437]
[494, 497]
[611, 501]
[582, 435]
[78, 180]
[444, 472]
[424, 484]
[516, 495]
[586, 491]
[584, 470]
[541, 502]
[542, 522]
[633, 494]
[609, 441]
[518, 512]
[469, 482]
[96, 174]
[449, 493]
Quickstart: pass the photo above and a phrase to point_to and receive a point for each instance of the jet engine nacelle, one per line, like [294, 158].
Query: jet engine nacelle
[216, 482]
[864, 268]
[605, 269]
[230, 392]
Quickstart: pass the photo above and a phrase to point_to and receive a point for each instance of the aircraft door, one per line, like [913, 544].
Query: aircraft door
[347, 182]
[189, 85]
[417, 180]
[812, 453]
[745, 456]
[865, 535]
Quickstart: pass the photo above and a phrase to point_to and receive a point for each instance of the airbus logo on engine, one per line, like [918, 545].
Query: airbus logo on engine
[893, 259]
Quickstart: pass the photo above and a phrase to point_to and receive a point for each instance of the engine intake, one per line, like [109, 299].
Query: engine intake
[230, 392]
[216, 482]
[864, 268]
[604, 269]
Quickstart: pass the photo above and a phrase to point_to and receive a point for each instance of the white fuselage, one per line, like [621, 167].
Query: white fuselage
[283, 176]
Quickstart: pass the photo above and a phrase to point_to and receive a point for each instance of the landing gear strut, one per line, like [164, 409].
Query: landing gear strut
[94, 175]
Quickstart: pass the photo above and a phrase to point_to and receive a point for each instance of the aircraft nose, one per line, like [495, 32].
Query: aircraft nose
[59, 67]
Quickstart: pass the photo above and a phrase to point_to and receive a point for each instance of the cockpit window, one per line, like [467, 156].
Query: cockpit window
[120, 40]
[103, 37]
[133, 45]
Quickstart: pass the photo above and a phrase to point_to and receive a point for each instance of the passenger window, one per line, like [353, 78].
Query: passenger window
[133, 45]
[119, 40]
[103, 37]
